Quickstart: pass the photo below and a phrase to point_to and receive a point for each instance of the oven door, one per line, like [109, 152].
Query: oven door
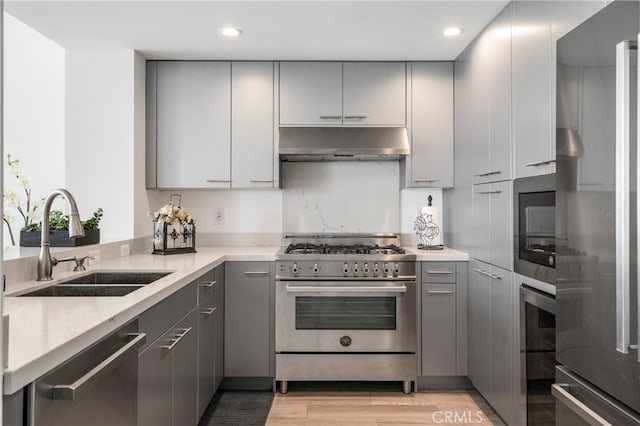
[339, 317]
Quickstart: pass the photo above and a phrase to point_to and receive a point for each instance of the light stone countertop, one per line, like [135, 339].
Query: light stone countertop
[445, 255]
[46, 331]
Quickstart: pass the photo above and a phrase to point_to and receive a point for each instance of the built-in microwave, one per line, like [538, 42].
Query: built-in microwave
[535, 227]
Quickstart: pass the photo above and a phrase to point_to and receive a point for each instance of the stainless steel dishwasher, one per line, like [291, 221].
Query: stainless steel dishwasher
[99, 386]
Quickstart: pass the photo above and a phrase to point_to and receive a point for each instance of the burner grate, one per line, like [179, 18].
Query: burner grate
[306, 248]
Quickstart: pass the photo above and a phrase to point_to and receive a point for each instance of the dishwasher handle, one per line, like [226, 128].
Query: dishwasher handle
[76, 389]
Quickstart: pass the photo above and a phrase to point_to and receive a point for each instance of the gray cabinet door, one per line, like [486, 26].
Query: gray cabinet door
[502, 395]
[479, 86]
[206, 352]
[432, 124]
[479, 326]
[193, 108]
[310, 93]
[438, 329]
[155, 379]
[252, 108]
[501, 225]
[533, 88]
[374, 93]
[219, 327]
[482, 222]
[185, 372]
[247, 335]
[500, 98]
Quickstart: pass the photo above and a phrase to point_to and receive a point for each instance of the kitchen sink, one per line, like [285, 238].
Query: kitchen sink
[99, 284]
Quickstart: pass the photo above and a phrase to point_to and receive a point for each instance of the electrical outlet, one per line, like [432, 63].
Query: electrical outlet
[96, 257]
[218, 217]
[124, 250]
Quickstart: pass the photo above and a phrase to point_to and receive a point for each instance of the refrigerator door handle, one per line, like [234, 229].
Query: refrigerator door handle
[559, 390]
[623, 193]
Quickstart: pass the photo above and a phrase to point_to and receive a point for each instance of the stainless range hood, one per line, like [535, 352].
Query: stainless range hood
[343, 143]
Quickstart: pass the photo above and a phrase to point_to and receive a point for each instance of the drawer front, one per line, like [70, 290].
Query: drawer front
[207, 284]
[157, 319]
[438, 272]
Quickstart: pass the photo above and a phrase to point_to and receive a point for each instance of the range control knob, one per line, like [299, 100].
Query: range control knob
[345, 269]
[396, 269]
[376, 269]
[294, 268]
[315, 268]
[385, 269]
[355, 268]
[345, 341]
[365, 269]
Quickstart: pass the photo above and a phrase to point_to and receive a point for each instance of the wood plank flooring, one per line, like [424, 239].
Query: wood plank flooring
[380, 409]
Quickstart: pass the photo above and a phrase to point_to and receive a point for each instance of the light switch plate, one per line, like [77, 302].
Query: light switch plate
[218, 217]
[124, 250]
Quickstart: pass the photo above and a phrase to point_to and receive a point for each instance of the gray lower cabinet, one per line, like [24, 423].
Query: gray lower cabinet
[248, 342]
[443, 319]
[219, 326]
[206, 352]
[492, 354]
[167, 365]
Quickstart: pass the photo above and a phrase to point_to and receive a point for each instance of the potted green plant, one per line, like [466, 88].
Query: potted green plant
[59, 231]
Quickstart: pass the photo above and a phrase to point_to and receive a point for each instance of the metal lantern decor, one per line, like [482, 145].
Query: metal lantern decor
[174, 230]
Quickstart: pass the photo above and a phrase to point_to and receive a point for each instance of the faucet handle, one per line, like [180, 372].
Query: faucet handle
[80, 263]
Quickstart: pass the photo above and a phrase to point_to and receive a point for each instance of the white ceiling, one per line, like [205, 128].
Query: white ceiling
[280, 30]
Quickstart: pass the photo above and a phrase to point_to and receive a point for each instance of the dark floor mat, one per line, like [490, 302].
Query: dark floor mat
[238, 408]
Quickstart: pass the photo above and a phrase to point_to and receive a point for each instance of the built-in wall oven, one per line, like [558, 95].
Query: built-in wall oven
[345, 310]
[534, 264]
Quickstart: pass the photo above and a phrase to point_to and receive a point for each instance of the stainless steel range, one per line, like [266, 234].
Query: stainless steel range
[345, 309]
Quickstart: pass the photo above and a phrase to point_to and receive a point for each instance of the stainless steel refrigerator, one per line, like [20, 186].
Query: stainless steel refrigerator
[598, 376]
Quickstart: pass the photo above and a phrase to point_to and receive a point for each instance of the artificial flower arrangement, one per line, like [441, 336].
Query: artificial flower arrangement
[19, 206]
[174, 230]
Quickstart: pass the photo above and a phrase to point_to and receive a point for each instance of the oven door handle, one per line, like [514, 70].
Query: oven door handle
[345, 289]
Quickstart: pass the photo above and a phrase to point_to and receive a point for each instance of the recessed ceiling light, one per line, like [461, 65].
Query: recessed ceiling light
[230, 32]
[452, 31]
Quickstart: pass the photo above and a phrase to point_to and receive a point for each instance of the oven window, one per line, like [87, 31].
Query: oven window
[345, 313]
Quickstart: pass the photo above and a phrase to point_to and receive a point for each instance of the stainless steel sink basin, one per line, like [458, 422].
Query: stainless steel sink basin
[102, 278]
[99, 284]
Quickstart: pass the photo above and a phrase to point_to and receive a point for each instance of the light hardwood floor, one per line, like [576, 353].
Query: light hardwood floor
[380, 408]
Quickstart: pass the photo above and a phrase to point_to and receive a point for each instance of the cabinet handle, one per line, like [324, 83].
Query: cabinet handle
[440, 272]
[440, 291]
[488, 192]
[495, 172]
[177, 338]
[218, 181]
[425, 180]
[540, 163]
[560, 391]
[256, 273]
[208, 311]
[209, 284]
[331, 117]
[485, 273]
[261, 181]
[495, 277]
[77, 389]
[355, 117]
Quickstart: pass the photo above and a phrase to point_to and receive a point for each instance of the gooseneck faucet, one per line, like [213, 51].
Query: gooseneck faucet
[45, 261]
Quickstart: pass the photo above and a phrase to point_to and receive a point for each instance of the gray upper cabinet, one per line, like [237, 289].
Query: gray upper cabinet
[336, 94]
[193, 132]
[310, 93]
[533, 89]
[374, 93]
[252, 115]
[431, 161]
[491, 95]
[478, 89]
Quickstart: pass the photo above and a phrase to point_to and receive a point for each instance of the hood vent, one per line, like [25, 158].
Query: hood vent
[343, 143]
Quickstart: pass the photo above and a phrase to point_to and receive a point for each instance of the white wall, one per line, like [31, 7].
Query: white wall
[34, 109]
[101, 137]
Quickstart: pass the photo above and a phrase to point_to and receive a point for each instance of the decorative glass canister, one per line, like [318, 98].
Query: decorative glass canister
[174, 230]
